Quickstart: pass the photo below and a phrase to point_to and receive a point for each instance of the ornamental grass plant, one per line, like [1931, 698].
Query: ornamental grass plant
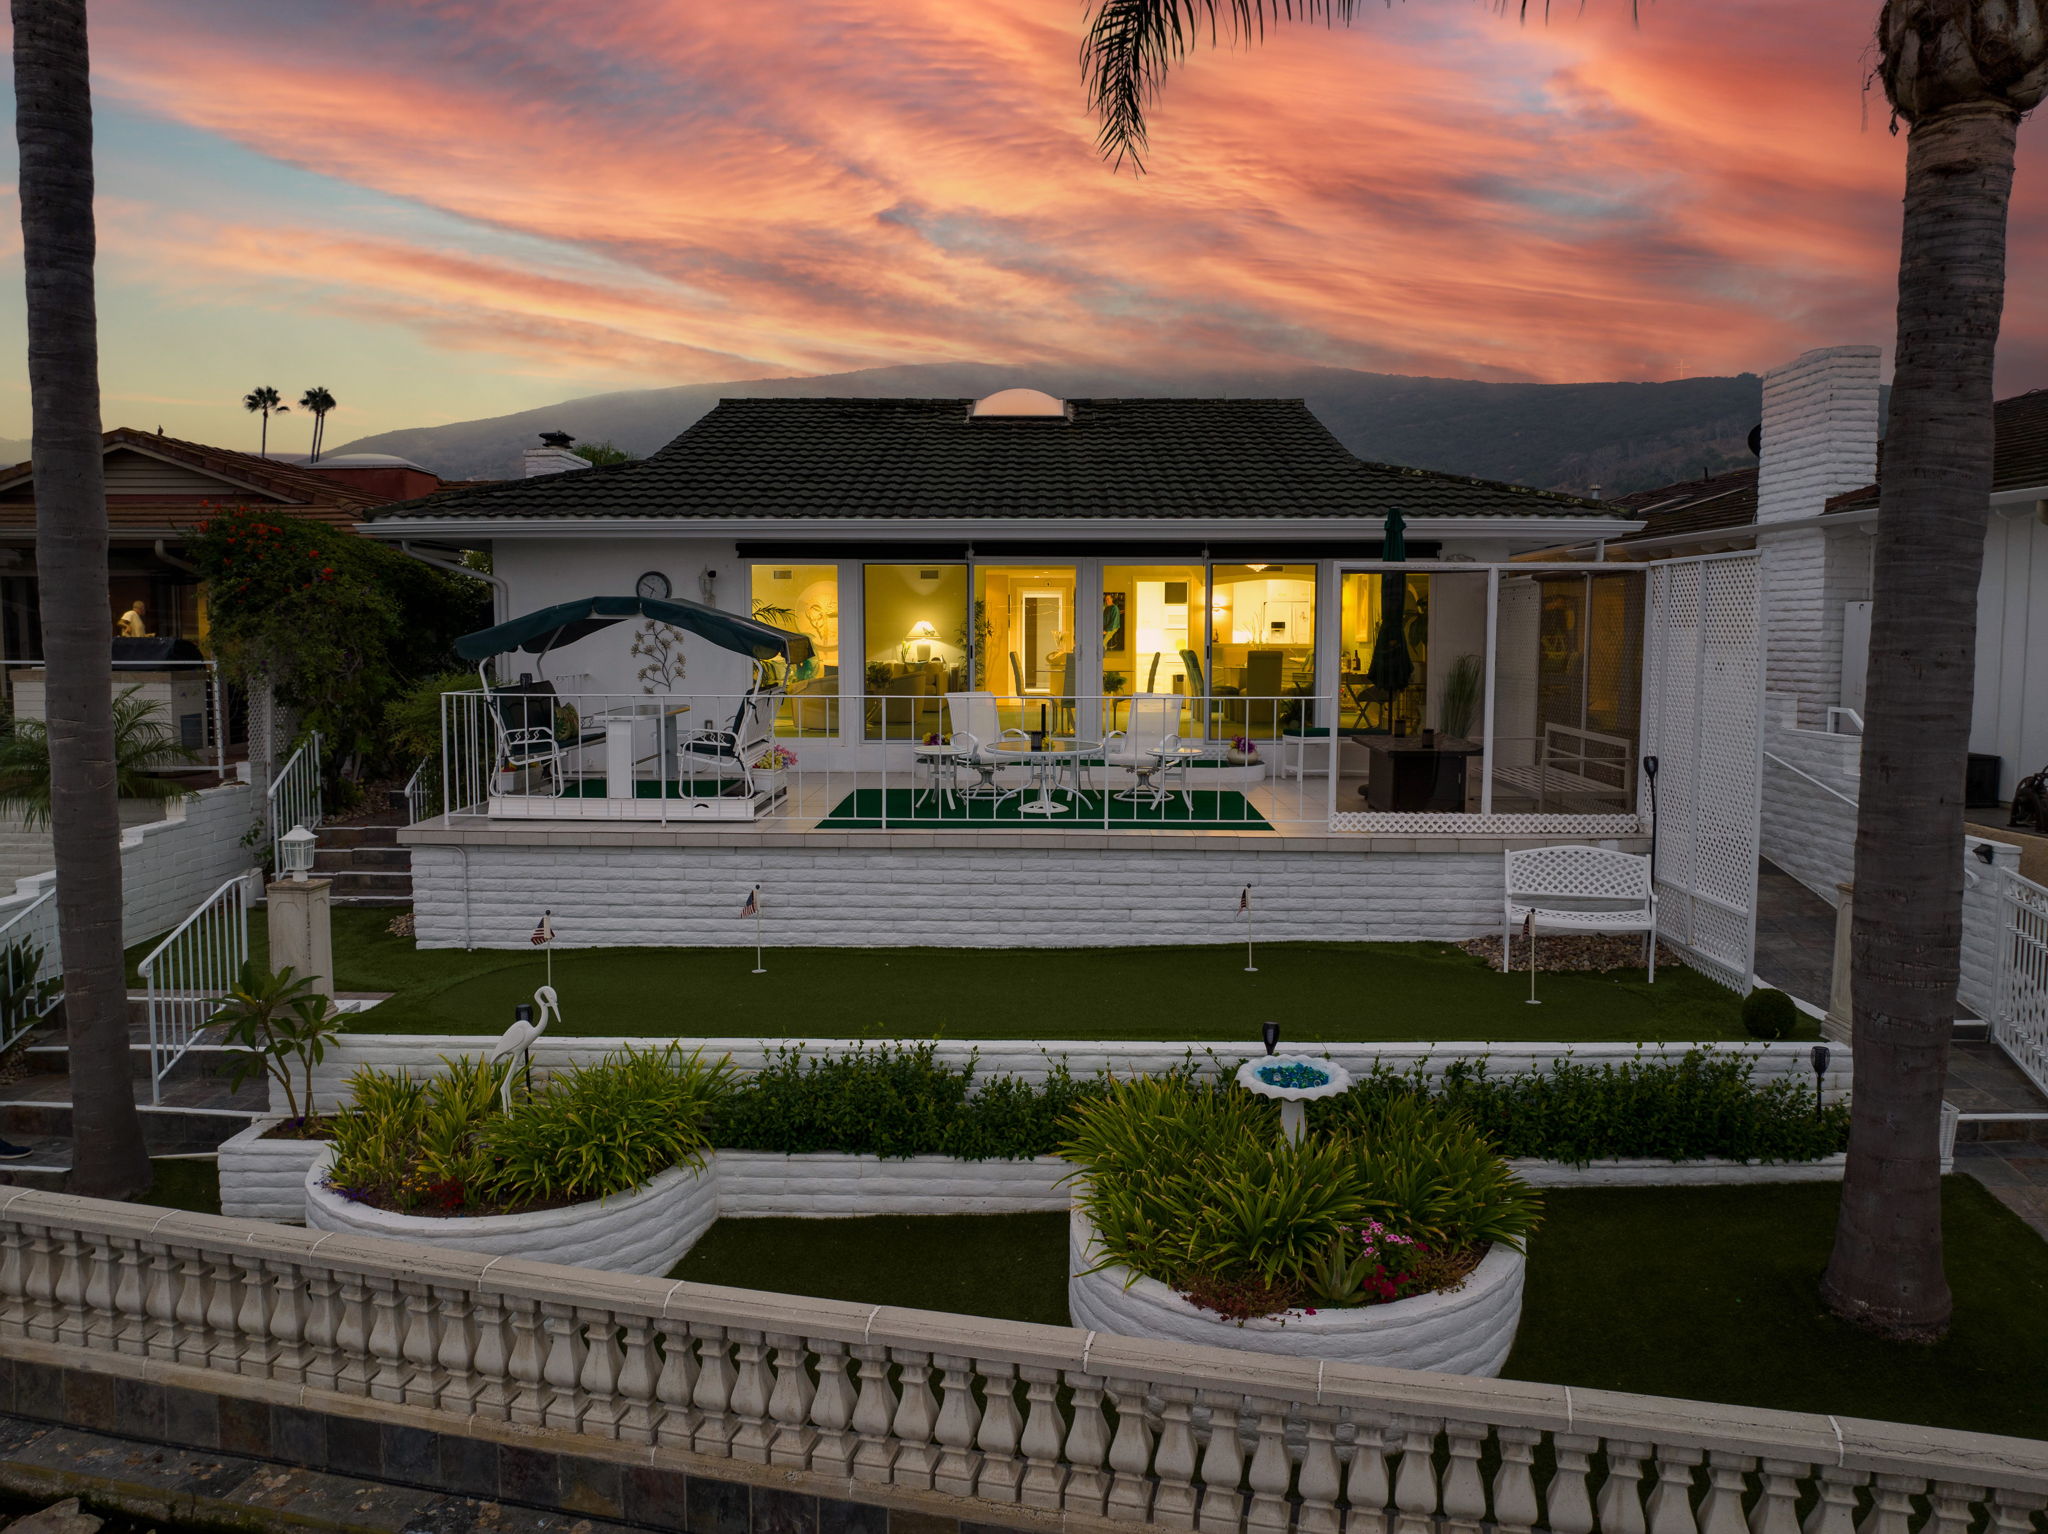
[1192, 1183]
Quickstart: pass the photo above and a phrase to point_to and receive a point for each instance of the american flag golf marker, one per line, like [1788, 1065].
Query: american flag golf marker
[753, 908]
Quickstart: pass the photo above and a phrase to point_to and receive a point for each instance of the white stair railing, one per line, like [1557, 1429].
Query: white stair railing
[189, 972]
[294, 796]
[2020, 1026]
[31, 968]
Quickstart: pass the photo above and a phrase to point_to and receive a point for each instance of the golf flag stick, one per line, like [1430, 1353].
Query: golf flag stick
[544, 939]
[1529, 937]
[1244, 909]
[753, 908]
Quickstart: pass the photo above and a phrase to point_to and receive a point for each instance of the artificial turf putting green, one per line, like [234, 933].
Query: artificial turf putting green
[1708, 1294]
[1319, 992]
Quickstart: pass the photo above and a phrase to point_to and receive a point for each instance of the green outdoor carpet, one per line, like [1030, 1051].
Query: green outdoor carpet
[1213, 810]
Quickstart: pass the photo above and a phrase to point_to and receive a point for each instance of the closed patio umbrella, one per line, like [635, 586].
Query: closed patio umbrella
[1392, 668]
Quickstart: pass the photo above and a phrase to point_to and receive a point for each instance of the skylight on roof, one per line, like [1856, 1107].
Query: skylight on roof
[1020, 402]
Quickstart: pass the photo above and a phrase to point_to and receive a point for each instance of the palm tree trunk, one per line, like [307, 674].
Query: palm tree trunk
[53, 125]
[1886, 1270]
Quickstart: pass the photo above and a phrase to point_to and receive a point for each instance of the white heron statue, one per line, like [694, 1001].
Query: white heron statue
[518, 1039]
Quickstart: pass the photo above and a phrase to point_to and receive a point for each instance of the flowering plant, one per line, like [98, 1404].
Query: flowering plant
[1244, 745]
[935, 739]
[774, 759]
[1381, 1266]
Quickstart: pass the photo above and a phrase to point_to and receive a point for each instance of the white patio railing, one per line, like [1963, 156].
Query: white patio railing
[417, 793]
[2020, 1023]
[31, 968]
[894, 1406]
[187, 974]
[294, 796]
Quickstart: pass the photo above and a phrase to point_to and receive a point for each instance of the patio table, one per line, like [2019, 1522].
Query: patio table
[1049, 762]
[1167, 764]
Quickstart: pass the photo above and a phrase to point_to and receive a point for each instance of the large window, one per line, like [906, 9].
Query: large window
[1152, 634]
[1025, 641]
[805, 600]
[918, 640]
[1262, 651]
[1384, 643]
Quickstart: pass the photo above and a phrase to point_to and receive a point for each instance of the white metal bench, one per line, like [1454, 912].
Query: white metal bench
[1575, 770]
[1579, 889]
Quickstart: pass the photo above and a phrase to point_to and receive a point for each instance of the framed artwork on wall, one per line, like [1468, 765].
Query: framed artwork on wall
[1114, 630]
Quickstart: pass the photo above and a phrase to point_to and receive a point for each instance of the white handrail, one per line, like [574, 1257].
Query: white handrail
[187, 974]
[1837, 713]
[26, 998]
[1800, 772]
[415, 792]
[294, 797]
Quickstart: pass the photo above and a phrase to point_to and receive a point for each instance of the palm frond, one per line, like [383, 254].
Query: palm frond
[1131, 46]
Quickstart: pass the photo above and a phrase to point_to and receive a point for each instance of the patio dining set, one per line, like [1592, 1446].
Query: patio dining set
[1149, 747]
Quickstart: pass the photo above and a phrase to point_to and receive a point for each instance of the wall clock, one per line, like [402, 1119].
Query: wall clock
[654, 585]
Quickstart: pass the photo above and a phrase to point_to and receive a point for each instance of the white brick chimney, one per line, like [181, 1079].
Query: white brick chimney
[1820, 433]
[551, 460]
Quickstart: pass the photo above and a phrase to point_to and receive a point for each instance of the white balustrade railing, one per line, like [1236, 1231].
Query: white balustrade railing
[187, 974]
[294, 797]
[878, 762]
[418, 792]
[2020, 1023]
[894, 1405]
[31, 968]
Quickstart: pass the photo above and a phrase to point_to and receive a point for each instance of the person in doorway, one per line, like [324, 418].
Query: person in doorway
[132, 624]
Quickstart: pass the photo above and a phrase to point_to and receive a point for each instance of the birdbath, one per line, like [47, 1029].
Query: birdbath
[1293, 1079]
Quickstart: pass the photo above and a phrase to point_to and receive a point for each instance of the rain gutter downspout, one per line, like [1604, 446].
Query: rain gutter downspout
[497, 583]
[173, 561]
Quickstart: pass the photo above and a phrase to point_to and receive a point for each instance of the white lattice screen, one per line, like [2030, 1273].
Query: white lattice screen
[1702, 720]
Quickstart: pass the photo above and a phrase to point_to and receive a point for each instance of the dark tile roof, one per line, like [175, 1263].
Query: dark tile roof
[2019, 460]
[928, 458]
[1692, 506]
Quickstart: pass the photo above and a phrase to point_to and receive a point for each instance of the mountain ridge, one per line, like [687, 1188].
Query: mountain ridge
[1616, 436]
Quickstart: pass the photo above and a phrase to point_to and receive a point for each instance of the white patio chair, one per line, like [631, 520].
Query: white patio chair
[524, 720]
[1579, 889]
[1148, 747]
[976, 730]
[729, 753]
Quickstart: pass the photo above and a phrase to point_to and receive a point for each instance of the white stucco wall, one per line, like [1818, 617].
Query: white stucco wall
[1809, 831]
[488, 896]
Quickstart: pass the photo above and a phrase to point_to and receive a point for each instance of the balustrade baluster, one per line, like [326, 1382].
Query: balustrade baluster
[832, 1412]
[454, 1348]
[2014, 1512]
[1130, 1454]
[287, 1319]
[677, 1421]
[39, 1287]
[874, 1451]
[1367, 1487]
[102, 1271]
[69, 1291]
[1464, 1490]
[789, 1403]
[1174, 1497]
[491, 1360]
[1567, 1499]
[1670, 1507]
[1222, 1507]
[1835, 1512]
[223, 1305]
[1271, 1474]
[194, 1279]
[1721, 1508]
[417, 1344]
[252, 1316]
[713, 1394]
[911, 1427]
[1891, 1505]
[131, 1300]
[1514, 1482]
[561, 1366]
[1002, 1429]
[597, 1382]
[636, 1382]
[160, 1302]
[1777, 1508]
[13, 1267]
[1320, 1479]
[387, 1320]
[957, 1462]
[1620, 1502]
[1045, 1478]
[751, 1431]
[1953, 1508]
[1415, 1486]
[528, 1403]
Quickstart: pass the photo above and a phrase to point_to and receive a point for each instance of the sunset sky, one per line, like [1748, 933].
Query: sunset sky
[443, 209]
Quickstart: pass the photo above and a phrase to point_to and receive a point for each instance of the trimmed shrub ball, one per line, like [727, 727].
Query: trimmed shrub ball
[1769, 1014]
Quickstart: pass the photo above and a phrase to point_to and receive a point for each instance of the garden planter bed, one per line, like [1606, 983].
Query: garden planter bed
[758, 1183]
[1653, 1173]
[1463, 1331]
[645, 1231]
[266, 1179]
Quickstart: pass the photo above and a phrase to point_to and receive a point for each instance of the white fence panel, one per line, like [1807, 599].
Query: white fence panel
[2020, 1023]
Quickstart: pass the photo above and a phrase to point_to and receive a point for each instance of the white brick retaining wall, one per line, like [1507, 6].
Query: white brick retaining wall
[837, 896]
[760, 1183]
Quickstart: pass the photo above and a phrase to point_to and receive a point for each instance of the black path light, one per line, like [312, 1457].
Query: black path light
[1821, 1055]
[1270, 1032]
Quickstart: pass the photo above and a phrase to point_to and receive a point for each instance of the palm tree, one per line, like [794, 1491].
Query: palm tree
[1960, 74]
[318, 401]
[266, 402]
[53, 127]
[143, 742]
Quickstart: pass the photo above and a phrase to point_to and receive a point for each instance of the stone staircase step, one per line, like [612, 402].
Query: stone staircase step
[351, 836]
[364, 858]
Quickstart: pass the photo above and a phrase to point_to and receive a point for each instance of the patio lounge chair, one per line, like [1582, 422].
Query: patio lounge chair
[1151, 731]
[523, 718]
[976, 729]
[728, 755]
[1579, 889]
[1210, 701]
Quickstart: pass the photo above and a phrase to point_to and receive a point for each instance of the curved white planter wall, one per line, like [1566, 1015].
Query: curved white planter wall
[645, 1231]
[1466, 1331]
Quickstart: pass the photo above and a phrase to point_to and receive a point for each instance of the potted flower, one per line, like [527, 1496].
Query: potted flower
[1242, 751]
[771, 770]
[1391, 1234]
[605, 1166]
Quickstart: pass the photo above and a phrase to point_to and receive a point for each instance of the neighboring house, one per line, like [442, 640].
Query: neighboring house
[1810, 505]
[1224, 558]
